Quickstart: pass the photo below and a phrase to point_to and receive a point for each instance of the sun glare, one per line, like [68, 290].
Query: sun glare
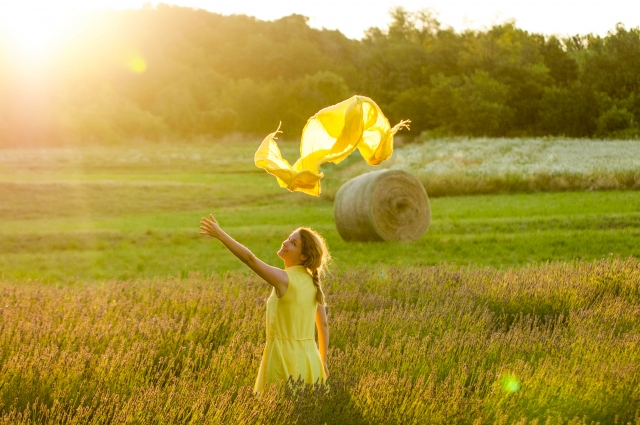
[33, 29]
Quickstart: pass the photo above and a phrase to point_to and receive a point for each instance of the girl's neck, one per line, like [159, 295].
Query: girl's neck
[288, 265]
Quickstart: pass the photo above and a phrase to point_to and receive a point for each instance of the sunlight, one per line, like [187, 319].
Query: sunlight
[33, 29]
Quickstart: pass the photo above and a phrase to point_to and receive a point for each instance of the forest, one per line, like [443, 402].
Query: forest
[174, 73]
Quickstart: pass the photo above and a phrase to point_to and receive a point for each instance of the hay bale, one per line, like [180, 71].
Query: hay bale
[385, 205]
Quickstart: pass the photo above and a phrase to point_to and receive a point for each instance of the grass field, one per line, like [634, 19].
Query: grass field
[465, 166]
[557, 344]
[99, 213]
[514, 308]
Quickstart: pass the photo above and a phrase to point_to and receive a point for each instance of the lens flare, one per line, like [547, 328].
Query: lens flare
[137, 65]
[510, 383]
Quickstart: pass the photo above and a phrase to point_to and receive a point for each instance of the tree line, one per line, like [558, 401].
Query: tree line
[173, 72]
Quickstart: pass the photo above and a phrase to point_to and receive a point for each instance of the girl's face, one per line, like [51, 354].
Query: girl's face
[291, 250]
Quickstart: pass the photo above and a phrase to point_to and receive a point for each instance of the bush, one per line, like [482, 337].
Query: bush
[217, 122]
[112, 118]
[617, 123]
[568, 111]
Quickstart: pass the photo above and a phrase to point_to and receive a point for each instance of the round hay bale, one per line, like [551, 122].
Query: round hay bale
[385, 205]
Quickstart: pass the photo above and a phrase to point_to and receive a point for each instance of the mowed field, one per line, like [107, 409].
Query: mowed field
[119, 212]
[516, 308]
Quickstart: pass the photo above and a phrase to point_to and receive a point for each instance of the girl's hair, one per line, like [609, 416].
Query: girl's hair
[314, 247]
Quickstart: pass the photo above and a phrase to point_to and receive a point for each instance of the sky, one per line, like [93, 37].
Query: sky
[353, 17]
[35, 24]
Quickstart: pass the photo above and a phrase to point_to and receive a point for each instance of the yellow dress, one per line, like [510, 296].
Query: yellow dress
[291, 348]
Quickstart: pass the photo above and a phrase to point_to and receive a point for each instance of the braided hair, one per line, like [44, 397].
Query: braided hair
[314, 248]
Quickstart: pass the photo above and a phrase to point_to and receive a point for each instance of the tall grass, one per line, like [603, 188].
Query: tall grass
[480, 166]
[468, 184]
[551, 344]
[452, 167]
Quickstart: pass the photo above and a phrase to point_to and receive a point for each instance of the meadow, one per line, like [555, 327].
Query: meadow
[464, 166]
[557, 344]
[520, 306]
[133, 212]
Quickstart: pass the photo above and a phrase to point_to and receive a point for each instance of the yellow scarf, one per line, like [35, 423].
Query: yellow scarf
[330, 136]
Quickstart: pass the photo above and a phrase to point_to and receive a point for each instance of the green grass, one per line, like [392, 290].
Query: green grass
[89, 214]
[479, 230]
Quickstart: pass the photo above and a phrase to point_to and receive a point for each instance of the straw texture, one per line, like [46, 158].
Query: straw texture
[384, 205]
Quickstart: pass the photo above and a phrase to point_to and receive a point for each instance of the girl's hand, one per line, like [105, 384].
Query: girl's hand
[210, 227]
[326, 370]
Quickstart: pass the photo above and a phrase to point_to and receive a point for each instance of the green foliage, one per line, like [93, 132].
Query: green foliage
[563, 68]
[616, 122]
[619, 117]
[112, 118]
[261, 106]
[217, 122]
[183, 73]
[474, 105]
[569, 111]
[551, 344]
[480, 106]
[504, 81]
[306, 96]
[611, 63]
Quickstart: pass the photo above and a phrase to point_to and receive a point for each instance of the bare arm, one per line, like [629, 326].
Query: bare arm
[272, 275]
[323, 335]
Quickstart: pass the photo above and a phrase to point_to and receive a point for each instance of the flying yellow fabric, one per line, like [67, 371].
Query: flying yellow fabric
[331, 135]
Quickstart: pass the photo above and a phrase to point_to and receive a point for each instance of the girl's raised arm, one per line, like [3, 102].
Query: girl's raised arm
[272, 275]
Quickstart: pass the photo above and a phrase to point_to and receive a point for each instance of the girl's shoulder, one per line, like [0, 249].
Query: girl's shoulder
[297, 272]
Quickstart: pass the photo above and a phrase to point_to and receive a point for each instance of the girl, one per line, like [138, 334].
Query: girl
[296, 301]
